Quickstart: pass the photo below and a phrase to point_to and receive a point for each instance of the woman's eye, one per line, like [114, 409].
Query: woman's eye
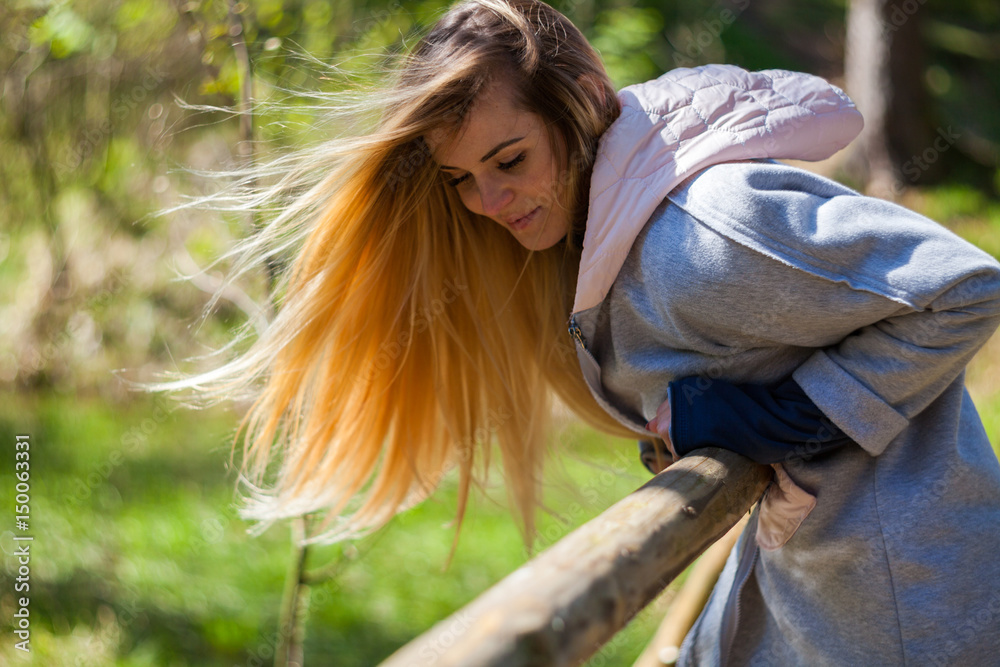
[513, 163]
[503, 166]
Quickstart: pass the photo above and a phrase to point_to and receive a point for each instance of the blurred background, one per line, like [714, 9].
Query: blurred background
[139, 557]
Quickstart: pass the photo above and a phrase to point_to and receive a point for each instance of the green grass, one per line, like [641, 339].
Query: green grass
[139, 556]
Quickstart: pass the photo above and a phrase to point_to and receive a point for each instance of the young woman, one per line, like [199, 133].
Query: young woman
[713, 297]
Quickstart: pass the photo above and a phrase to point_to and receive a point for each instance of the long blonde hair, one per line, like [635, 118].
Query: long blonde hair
[412, 332]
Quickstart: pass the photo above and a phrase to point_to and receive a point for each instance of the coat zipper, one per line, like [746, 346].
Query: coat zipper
[577, 334]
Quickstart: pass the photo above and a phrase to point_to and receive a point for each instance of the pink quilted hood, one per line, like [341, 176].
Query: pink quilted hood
[686, 120]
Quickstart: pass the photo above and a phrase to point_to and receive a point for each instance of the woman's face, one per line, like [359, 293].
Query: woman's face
[501, 164]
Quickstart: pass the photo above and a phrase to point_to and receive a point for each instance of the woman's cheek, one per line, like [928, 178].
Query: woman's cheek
[537, 187]
[470, 199]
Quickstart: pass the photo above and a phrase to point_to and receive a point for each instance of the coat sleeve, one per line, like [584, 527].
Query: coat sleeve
[895, 304]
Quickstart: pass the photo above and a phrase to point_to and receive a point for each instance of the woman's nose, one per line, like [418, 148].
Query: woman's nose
[495, 197]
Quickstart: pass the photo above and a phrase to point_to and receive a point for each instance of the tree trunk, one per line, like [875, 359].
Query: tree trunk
[884, 72]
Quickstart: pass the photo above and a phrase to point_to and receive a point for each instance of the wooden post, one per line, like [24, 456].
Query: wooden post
[561, 607]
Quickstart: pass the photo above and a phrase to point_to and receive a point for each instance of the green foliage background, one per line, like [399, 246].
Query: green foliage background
[139, 557]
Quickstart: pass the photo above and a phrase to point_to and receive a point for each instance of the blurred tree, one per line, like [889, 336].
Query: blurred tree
[884, 72]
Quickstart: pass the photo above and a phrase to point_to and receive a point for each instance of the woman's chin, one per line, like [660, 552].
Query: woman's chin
[539, 242]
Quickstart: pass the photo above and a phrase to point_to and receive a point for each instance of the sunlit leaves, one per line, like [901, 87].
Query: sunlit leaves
[628, 40]
[65, 31]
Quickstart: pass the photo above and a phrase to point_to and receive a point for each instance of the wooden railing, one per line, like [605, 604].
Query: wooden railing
[566, 603]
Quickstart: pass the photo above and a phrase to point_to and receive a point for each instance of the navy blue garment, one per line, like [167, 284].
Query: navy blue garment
[765, 424]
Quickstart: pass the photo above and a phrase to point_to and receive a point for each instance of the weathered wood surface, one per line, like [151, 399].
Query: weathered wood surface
[562, 606]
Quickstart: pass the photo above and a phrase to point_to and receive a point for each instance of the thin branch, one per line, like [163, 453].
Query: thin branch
[294, 603]
[237, 30]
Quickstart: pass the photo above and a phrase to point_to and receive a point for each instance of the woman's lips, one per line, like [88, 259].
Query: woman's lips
[524, 220]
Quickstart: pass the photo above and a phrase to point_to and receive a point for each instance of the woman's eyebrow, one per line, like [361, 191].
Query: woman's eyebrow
[499, 147]
[496, 149]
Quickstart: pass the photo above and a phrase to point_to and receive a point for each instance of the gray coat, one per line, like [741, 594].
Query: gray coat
[754, 271]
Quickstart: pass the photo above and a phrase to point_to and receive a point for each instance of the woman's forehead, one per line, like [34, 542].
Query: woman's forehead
[493, 119]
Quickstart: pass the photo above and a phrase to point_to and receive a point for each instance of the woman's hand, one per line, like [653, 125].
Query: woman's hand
[660, 424]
